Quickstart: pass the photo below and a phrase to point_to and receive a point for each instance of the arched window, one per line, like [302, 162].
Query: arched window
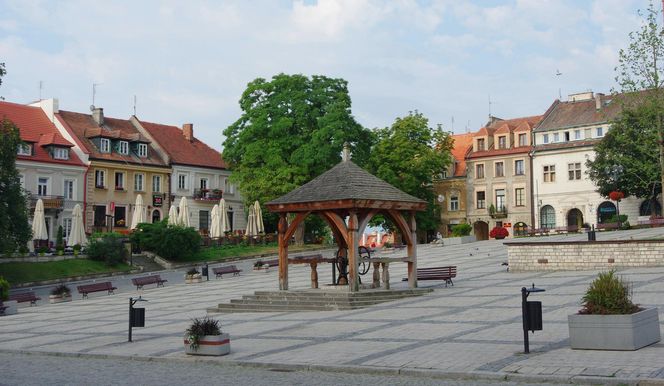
[156, 216]
[520, 229]
[547, 217]
[645, 208]
[605, 211]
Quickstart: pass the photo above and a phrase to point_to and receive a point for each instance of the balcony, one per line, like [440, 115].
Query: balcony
[50, 202]
[500, 212]
[208, 194]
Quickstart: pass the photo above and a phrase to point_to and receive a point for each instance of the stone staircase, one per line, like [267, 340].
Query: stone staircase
[314, 300]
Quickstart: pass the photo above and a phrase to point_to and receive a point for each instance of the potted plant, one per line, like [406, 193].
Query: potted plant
[193, 276]
[204, 337]
[12, 305]
[498, 233]
[42, 250]
[77, 249]
[60, 294]
[610, 321]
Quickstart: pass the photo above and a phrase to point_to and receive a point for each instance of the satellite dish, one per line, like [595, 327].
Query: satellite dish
[441, 198]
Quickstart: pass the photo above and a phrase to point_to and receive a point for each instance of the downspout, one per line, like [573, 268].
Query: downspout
[85, 196]
[531, 155]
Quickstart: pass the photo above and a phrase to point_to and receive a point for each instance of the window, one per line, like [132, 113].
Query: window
[588, 133]
[203, 219]
[105, 145]
[138, 182]
[480, 144]
[443, 174]
[61, 153]
[519, 197]
[120, 216]
[519, 169]
[100, 179]
[123, 148]
[577, 134]
[182, 181]
[545, 138]
[24, 149]
[230, 189]
[204, 183]
[480, 200]
[549, 173]
[156, 184]
[500, 200]
[479, 171]
[502, 142]
[566, 136]
[454, 203]
[523, 139]
[119, 181]
[69, 190]
[142, 150]
[66, 228]
[547, 217]
[556, 137]
[499, 169]
[599, 131]
[574, 171]
[42, 186]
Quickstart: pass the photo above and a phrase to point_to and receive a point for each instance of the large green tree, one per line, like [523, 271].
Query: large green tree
[14, 226]
[631, 144]
[640, 74]
[407, 155]
[292, 129]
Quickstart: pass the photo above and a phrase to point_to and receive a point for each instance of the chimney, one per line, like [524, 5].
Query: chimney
[345, 155]
[98, 115]
[598, 101]
[188, 131]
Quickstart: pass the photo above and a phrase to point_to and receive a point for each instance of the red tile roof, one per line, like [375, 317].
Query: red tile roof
[181, 150]
[36, 128]
[84, 128]
[462, 142]
[505, 126]
[580, 113]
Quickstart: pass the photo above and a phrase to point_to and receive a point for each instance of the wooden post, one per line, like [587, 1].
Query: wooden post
[314, 275]
[283, 252]
[354, 278]
[412, 252]
[386, 275]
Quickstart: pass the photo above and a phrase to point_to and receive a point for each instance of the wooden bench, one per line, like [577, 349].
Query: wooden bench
[272, 263]
[23, 297]
[85, 289]
[437, 273]
[653, 222]
[139, 282]
[607, 226]
[539, 231]
[218, 272]
[2, 309]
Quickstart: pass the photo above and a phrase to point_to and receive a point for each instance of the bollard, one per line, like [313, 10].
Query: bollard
[591, 234]
[206, 272]
[531, 315]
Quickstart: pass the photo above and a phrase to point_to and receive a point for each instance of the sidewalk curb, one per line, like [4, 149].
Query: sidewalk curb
[350, 369]
[75, 278]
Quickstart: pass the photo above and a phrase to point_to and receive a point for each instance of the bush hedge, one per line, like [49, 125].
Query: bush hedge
[608, 294]
[107, 247]
[461, 230]
[169, 242]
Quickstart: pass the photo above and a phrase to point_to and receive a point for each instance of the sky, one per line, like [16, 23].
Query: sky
[189, 61]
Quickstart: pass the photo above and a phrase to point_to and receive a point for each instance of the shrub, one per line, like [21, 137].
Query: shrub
[59, 241]
[200, 328]
[498, 233]
[4, 284]
[461, 230]
[61, 290]
[608, 295]
[169, 242]
[615, 218]
[192, 271]
[107, 247]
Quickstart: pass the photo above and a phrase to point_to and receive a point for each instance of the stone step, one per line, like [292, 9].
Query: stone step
[384, 297]
[267, 308]
[305, 303]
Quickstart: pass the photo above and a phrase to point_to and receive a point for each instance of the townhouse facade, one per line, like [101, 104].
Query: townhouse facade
[498, 177]
[564, 196]
[48, 168]
[198, 173]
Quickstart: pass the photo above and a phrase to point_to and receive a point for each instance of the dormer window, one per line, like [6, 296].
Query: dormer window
[502, 142]
[123, 147]
[480, 144]
[142, 150]
[24, 149]
[523, 140]
[105, 145]
[61, 153]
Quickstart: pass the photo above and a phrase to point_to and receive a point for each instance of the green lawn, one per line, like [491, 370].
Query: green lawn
[232, 251]
[29, 272]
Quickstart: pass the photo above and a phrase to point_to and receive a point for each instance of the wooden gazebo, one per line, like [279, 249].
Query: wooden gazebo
[347, 190]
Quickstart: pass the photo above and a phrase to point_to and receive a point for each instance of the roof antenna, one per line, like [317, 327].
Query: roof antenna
[41, 86]
[558, 73]
[345, 156]
[453, 117]
[489, 107]
[94, 93]
[134, 105]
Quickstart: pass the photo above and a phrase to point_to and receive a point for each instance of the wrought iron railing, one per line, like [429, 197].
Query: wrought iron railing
[208, 194]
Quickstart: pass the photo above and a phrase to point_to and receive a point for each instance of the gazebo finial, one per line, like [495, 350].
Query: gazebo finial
[345, 156]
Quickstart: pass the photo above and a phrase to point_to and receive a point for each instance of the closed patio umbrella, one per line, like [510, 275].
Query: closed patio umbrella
[215, 227]
[39, 231]
[173, 216]
[223, 217]
[260, 228]
[251, 223]
[77, 233]
[139, 215]
[183, 217]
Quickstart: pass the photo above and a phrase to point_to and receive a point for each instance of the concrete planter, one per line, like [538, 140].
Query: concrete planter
[459, 240]
[192, 279]
[12, 307]
[210, 345]
[614, 332]
[53, 299]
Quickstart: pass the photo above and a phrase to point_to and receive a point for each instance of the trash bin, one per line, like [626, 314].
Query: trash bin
[138, 317]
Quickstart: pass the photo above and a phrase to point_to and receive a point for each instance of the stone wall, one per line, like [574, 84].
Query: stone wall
[39, 259]
[584, 255]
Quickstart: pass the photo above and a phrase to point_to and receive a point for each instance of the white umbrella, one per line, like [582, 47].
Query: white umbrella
[260, 228]
[183, 217]
[215, 228]
[251, 223]
[223, 217]
[173, 216]
[39, 231]
[77, 233]
[139, 215]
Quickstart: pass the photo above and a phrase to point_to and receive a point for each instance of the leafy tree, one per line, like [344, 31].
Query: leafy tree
[14, 226]
[631, 143]
[59, 239]
[641, 67]
[407, 155]
[291, 130]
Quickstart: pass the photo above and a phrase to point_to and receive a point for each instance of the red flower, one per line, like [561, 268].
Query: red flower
[616, 195]
[499, 233]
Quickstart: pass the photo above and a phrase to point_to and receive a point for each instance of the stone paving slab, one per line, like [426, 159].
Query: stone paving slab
[473, 327]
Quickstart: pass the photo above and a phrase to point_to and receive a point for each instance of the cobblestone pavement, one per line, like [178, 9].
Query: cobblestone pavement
[472, 328]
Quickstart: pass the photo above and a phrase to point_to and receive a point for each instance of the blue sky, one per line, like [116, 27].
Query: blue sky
[190, 61]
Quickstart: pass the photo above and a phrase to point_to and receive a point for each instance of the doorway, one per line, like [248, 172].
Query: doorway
[481, 230]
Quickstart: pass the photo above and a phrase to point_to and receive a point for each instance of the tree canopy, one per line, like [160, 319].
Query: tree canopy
[407, 155]
[14, 226]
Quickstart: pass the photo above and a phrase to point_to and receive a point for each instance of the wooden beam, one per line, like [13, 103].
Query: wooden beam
[401, 223]
[283, 251]
[353, 263]
[365, 218]
[293, 225]
[337, 222]
[345, 204]
[412, 253]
